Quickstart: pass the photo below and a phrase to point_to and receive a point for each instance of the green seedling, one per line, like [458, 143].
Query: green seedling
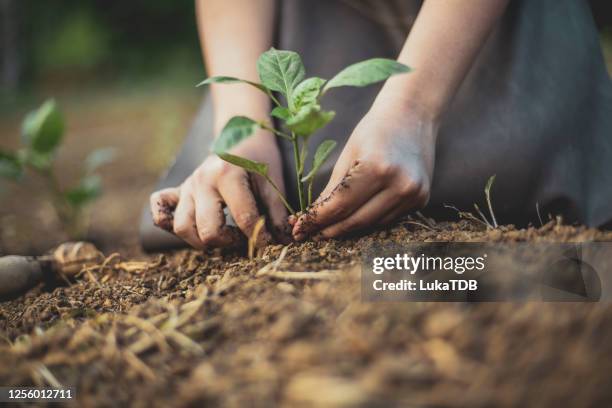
[483, 219]
[301, 116]
[488, 197]
[42, 134]
[487, 191]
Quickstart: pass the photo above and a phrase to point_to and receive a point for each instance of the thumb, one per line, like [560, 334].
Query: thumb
[341, 167]
[163, 203]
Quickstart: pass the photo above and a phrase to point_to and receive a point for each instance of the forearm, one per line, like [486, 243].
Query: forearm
[233, 34]
[445, 40]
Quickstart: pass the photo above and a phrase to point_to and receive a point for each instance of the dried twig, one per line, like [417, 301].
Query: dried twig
[466, 215]
[420, 224]
[325, 274]
[110, 349]
[485, 220]
[254, 235]
[138, 365]
[134, 266]
[92, 278]
[426, 220]
[280, 258]
[185, 342]
[153, 333]
[156, 320]
[190, 311]
[108, 260]
[538, 212]
[47, 376]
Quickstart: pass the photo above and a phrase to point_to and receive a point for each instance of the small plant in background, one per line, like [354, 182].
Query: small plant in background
[487, 191]
[302, 115]
[483, 220]
[42, 133]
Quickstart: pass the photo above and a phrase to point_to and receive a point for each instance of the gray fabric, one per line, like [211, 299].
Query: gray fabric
[535, 108]
[195, 148]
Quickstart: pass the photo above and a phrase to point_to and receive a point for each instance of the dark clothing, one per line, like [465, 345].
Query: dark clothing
[535, 108]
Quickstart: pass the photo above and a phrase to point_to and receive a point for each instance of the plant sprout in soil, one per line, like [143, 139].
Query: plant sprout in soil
[42, 135]
[300, 117]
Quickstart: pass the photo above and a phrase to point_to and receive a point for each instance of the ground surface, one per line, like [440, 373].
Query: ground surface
[194, 327]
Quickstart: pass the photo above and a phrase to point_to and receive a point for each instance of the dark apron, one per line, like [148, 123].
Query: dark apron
[535, 109]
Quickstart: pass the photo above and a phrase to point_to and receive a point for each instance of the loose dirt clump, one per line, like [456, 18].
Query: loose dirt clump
[289, 328]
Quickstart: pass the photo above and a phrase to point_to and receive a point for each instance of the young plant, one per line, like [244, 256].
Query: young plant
[483, 219]
[42, 133]
[301, 116]
[488, 197]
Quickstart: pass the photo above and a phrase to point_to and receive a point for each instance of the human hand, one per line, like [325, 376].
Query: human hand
[384, 171]
[194, 210]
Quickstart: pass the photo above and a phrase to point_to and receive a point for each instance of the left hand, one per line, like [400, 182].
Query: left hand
[384, 171]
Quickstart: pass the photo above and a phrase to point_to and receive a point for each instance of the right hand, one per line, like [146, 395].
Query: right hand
[194, 210]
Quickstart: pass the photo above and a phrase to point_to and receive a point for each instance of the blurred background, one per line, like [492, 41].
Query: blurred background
[123, 73]
[124, 76]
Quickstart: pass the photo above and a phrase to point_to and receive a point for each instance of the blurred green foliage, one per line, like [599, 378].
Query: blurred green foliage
[42, 134]
[111, 39]
[80, 42]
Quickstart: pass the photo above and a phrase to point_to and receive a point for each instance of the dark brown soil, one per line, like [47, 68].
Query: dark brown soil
[216, 328]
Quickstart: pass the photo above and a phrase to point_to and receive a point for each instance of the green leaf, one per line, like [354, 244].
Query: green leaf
[281, 112]
[366, 73]
[309, 119]
[235, 131]
[230, 80]
[307, 92]
[10, 166]
[99, 157]
[43, 128]
[321, 155]
[40, 161]
[280, 71]
[248, 165]
[88, 190]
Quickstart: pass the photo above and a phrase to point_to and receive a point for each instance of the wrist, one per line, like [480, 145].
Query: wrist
[238, 100]
[403, 94]
[405, 112]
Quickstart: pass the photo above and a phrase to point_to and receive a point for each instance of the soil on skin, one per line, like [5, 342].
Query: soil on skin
[192, 328]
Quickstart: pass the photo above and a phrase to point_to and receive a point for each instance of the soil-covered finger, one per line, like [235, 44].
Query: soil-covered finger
[368, 215]
[184, 220]
[210, 219]
[237, 194]
[355, 189]
[163, 204]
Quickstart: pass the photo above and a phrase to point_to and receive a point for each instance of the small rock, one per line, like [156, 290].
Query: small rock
[325, 390]
[300, 353]
[495, 235]
[285, 287]
[441, 323]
